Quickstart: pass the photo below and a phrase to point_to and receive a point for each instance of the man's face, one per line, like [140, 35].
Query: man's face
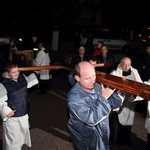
[104, 49]
[126, 65]
[148, 49]
[99, 45]
[87, 79]
[81, 50]
[34, 38]
[13, 73]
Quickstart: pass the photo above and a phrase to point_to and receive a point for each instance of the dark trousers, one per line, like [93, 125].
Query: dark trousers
[124, 135]
[113, 123]
[148, 141]
[44, 85]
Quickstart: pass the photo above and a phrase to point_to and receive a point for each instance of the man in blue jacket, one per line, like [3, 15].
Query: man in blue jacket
[89, 106]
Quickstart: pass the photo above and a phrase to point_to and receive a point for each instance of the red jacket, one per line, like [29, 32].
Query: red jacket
[97, 52]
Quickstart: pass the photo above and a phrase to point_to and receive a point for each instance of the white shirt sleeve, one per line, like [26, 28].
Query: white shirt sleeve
[4, 109]
[31, 80]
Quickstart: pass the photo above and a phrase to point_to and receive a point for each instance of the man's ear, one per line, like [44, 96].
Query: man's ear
[6, 73]
[77, 78]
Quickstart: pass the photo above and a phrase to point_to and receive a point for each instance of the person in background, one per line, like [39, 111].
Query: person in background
[147, 121]
[89, 105]
[105, 56]
[43, 59]
[146, 65]
[22, 62]
[14, 107]
[97, 51]
[33, 44]
[89, 44]
[14, 56]
[92, 60]
[13, 52]
[81, 56]
[122, 119]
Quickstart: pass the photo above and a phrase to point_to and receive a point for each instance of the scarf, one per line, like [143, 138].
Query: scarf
[126, 73]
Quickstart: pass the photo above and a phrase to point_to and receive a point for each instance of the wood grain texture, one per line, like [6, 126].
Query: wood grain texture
[130, 86]
[133, 87]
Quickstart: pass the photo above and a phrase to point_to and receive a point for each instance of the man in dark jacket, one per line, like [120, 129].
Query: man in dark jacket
[81, 56]
[146, 65]
[105, 56]
[14, 107]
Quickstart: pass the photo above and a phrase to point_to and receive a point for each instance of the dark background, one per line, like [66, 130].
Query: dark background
[40, 15]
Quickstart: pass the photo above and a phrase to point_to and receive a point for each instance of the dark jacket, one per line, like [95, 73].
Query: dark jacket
[147, 68]
[76, 59]
[17, 95]
[110, 59]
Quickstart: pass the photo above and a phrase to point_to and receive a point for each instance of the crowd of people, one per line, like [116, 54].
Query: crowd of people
[98, 115]
[14, 99]
[121, 119]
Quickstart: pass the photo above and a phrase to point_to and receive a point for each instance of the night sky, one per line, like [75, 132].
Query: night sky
[129, 13]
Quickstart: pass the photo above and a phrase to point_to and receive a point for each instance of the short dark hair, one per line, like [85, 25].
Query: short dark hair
[104, 45]
[34, 35]
[100, 42]
[77, 70]
[11, 39]
[92, 57]
[10, 65]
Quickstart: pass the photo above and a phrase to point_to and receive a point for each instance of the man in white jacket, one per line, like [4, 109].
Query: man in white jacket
[126, 113]
[147, 121]
[43, 59]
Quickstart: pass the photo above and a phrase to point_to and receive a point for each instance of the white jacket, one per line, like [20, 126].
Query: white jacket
[147, 121]
[43, 59]
[127, 111]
